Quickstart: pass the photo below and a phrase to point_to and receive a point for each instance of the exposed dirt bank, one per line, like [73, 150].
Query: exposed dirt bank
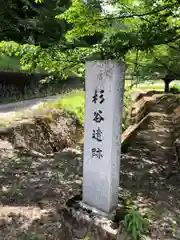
[46, 132]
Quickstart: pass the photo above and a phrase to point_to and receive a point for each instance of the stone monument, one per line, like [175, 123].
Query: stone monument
[102, 139]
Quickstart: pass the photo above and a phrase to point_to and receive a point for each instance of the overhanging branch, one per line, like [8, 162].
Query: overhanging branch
[169, 70]
[136, 14]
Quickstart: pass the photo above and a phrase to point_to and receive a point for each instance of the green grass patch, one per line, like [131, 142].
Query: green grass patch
[150, 87]
[2, 124]
[72, 102]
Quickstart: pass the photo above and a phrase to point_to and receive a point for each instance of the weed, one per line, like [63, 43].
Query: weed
[174, 228]
[135, 224]
[86, 238]
[27, 236]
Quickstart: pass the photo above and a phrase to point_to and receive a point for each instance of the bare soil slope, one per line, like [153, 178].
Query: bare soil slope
[47, 132]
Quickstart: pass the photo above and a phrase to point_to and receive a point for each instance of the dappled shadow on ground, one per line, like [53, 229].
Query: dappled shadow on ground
[164, 103]
[150, 170]
[33, 190]
[32, 186]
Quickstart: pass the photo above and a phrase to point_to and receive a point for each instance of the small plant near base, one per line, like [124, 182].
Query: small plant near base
[135, 223]
[27, 236]
[86, 238]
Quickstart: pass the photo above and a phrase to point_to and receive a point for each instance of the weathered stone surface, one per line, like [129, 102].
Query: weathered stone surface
[81, 224]
[5, 144]
[102, 139]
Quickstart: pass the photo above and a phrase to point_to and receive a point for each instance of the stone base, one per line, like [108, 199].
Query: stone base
[95, 211]
[81, 223]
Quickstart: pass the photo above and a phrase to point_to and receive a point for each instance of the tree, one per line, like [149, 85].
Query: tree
[24, 21]
[133, 25]
[160, 63]
[96, 33]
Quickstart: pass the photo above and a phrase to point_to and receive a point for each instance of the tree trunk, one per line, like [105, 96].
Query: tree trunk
[166, 88]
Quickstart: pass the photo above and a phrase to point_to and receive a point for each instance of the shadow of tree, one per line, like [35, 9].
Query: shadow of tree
[150, 170]
[31, 187]
[164, 103]
[34, 190]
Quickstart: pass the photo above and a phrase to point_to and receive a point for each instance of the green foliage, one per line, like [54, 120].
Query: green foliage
[33, 22]
[136, 224]
[9, 63]
[132, 25]
[65, 35]
[160, 62]
[52, 60]
[39, 1]
[23, 52]
[76, 15]
[175, 88]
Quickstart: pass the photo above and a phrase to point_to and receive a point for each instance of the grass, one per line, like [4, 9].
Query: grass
[2, 124]
[72, 102]
[13, 94]
[150, 87]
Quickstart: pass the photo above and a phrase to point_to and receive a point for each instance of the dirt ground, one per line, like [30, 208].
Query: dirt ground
[34, 189]
[150, 170]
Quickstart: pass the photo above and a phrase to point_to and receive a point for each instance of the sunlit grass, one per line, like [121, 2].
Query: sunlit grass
[2, 124]
[150, 87]
[72, 102]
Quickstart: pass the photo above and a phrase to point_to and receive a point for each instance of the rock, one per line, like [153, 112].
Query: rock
[72, 150]
[5, 144]
[5, 131]
[2, 222]
[80, 233]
